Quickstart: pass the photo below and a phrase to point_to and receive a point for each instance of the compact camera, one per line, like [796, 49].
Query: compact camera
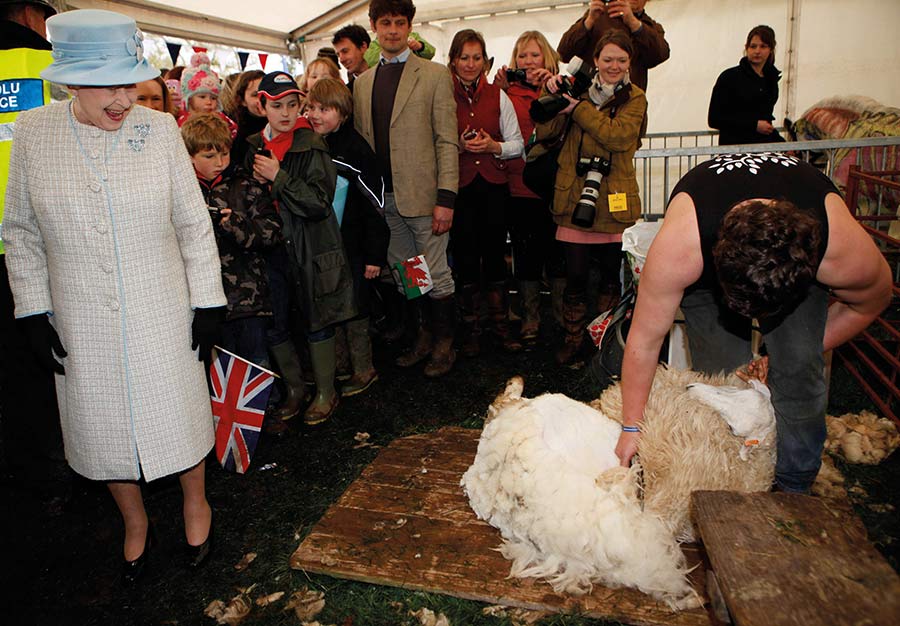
[593, 169]
[516, 76]
[547, 107]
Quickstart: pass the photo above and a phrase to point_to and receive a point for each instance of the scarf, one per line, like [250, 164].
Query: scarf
[600, 93]
[280, 144]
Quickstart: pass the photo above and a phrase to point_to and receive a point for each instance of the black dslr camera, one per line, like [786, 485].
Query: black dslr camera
[547, 107]
[516, 76]
[593, 169]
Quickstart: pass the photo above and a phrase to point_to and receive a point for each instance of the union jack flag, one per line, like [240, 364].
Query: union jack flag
[240, 393]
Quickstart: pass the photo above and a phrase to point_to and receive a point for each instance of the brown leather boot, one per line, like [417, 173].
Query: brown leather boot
[530, 292]
[498, 312]
[574, 311]
[443, 356]
[469, 309]
[421, 347]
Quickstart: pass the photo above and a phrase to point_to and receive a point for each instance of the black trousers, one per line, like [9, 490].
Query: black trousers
[534, 243]
[478, 234]
[607, 258]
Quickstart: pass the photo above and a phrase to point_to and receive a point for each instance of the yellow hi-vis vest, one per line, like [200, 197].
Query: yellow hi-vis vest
[21, 88]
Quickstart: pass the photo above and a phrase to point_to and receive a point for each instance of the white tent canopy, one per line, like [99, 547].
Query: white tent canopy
[825, 47]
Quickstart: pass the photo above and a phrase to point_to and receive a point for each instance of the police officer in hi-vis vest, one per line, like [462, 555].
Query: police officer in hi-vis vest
[28, 412]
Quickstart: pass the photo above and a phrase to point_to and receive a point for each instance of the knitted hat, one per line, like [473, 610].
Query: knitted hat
[199, 78]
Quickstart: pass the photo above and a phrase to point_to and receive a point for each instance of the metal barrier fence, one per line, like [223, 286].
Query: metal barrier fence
[873, 356]
[659, 169]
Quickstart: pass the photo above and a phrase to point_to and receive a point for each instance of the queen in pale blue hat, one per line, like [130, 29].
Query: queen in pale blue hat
[94, 48]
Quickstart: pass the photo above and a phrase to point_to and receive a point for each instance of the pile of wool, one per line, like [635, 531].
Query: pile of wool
[686, 446]
[547, 476]
[829, 481]
[861, 438]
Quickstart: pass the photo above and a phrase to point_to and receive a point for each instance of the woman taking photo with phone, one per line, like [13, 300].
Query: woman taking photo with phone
[596, 194]
[488, 138]
[744, 96]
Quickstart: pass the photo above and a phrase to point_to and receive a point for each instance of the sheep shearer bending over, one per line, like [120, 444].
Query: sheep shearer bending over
[760, 236]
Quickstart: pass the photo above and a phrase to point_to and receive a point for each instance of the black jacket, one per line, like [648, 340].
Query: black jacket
[13, 35]
[740, 99]
[366, 234]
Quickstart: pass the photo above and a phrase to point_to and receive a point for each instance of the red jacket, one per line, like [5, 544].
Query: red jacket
[481, 111]
[521, 97]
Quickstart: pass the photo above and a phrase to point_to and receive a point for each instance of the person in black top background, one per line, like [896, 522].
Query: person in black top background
[744, 96]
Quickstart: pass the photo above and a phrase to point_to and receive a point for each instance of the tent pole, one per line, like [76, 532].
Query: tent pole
[791, 62]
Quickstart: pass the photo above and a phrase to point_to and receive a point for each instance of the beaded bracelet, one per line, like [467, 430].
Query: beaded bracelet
[631, 429]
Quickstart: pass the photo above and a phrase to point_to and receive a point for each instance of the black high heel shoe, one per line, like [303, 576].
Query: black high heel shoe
[133, 570]
[198, 555]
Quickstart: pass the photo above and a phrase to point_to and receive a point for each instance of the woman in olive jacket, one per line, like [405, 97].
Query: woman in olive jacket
[607, 123]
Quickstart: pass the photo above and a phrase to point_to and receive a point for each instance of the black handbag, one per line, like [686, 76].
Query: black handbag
[541, 165]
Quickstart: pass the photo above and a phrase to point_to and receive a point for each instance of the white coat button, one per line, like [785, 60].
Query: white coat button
[106, 267]
[100, 227]
[472, 114]
[477, 162]
[94, 186]
[114, 305]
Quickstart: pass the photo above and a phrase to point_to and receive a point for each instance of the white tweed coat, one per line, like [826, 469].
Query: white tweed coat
[114, 239]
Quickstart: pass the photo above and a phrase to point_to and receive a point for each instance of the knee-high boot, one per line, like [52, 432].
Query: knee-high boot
[574, 311]
[443, 356]
[288, 363]
[364, 374]
[421, 347]
[530, 291]
[469, 310]
[498, 312]
[322, 355]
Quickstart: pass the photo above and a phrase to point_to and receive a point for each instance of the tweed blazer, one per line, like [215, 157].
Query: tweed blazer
[108, 231]
[424, 146]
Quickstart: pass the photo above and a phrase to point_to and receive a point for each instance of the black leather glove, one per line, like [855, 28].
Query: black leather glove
[206, 331]
[43, 341]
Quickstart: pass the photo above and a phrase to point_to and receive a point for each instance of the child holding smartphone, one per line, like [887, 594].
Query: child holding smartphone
[302, 178]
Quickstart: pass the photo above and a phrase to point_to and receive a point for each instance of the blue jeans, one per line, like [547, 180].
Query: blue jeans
[720, 341]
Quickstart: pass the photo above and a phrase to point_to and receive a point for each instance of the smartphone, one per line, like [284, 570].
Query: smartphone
[470, 134]
[215, 213]
[265, 152]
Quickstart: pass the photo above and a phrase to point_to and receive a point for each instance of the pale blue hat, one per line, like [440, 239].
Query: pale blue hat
[94, 48]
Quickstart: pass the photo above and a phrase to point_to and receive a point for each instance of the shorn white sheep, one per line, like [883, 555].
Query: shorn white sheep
[546, 475]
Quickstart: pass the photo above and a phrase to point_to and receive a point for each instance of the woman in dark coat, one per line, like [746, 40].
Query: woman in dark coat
[744, 96]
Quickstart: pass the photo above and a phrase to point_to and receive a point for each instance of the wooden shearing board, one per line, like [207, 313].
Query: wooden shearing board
[405, 522]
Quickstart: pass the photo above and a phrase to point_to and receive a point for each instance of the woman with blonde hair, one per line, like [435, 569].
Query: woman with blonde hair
[528, 216]
[317, 69]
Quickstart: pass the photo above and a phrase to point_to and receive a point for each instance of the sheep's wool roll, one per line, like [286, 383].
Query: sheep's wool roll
[547, 476]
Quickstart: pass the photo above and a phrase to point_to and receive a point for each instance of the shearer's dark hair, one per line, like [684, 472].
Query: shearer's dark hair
[355, 33]
[766, 256]
[380, 8]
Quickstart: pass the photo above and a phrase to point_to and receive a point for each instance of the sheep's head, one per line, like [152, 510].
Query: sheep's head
[748, 412]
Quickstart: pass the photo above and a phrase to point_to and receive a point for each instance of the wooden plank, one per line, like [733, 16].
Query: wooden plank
[397, 525]
[785, 559]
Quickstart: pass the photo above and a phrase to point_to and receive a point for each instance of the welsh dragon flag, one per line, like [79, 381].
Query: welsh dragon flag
[414, 276]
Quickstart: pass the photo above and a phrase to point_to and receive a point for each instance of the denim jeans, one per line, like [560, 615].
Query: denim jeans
[720, 341]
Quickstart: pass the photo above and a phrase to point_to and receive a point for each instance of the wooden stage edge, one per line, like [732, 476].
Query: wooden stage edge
[405, 522]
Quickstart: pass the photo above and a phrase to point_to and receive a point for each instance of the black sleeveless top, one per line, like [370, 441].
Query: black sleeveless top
[717, 185]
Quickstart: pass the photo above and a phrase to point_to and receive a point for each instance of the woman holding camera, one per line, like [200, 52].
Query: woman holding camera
[596, 191]
[530, 226]
[744, 97]
[488, 137]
